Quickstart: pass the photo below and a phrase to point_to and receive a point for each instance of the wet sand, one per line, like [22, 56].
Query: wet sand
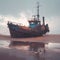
[16, 54]
[45, 38]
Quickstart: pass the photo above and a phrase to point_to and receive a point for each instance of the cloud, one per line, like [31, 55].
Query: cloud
[3, 23]
[53, 22]
[22, 19]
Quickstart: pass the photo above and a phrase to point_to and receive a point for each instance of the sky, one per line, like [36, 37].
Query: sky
[21, 11]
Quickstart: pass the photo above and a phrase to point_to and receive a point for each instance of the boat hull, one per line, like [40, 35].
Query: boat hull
[18, 32]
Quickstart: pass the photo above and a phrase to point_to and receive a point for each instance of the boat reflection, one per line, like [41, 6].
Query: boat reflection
[32, 46]
[32, 50]
[36, 48]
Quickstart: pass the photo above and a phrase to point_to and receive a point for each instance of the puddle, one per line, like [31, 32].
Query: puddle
[31, 46]
[25, 50]
[4, 43]
[26, 46]
[54, 45]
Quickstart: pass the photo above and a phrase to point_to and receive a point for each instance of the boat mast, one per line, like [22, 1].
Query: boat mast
[38, 11]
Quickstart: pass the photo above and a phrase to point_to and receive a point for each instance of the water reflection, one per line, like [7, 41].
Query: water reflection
[4, 43]
[40, 51]
[31, 46]
[54, 45]
[34, 50]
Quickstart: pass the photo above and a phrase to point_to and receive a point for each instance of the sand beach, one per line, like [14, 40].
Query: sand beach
[45, 38]
[12, 53]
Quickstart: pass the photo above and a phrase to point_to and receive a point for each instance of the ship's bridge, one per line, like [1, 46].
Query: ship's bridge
[33, 22]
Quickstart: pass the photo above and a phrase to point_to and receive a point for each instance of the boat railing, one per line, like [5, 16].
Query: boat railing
[15, 23]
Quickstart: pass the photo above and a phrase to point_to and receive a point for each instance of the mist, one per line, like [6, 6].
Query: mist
[53, 22]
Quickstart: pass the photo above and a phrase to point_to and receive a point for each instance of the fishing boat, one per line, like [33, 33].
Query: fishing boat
[35, 27]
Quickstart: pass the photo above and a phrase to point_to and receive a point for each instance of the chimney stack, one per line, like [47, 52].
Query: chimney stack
[43, 20]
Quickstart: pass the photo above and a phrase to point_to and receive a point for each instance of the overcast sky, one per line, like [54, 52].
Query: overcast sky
[14, 9]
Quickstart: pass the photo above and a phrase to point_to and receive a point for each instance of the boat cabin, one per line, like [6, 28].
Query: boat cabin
[33, 23]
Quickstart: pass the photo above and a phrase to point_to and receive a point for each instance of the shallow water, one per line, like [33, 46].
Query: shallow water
[52, 51]
[4, 43]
